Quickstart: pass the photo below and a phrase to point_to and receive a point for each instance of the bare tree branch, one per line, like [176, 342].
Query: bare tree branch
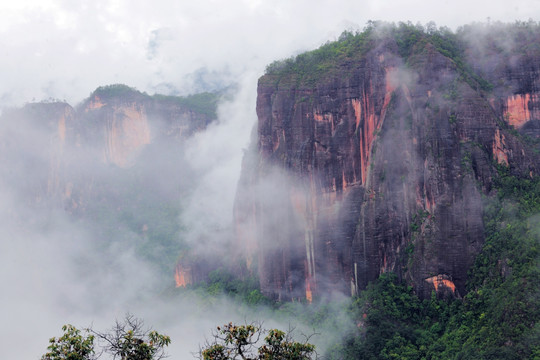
[231, 342]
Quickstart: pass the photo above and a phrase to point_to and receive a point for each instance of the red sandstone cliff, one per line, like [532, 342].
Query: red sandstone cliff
[378, 163]
[52, 152]
[121, 121]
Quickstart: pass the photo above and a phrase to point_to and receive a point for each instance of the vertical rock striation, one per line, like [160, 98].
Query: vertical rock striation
[52, 152]
[377, 163]
[120, 122]
[35, 147]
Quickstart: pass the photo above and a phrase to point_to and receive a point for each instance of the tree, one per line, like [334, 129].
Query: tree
[71, 346]
[232, 342]
[127, 340]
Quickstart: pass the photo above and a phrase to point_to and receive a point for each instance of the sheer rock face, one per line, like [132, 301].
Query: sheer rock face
[35, 144]
[381, 168]
[125, 127]
[67, 157]
[121, 126]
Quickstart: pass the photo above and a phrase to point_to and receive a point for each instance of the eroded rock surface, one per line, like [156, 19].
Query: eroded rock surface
[378, 166]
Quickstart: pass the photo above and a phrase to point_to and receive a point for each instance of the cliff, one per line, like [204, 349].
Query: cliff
[373, 155]
[121, 121]
[70, 151]
[115, 164]
[35, 143]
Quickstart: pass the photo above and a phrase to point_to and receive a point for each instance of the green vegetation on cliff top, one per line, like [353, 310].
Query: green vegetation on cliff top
[338, 58]
[309, 67]
[203, 103]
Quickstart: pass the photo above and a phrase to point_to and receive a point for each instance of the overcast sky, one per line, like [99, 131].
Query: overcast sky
[64, 49]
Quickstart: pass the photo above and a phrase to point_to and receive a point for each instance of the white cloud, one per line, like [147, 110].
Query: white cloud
[82, 45]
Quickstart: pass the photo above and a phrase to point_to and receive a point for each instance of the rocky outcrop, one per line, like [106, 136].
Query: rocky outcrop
[125, 127]
[115, 165]
[378, 165]
[121, 121]
[36, 143]
[76, 155]
[508, 57]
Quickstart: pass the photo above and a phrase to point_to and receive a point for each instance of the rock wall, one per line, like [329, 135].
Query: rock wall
[35, 146]
[379, 167]
[125, 127]
[54, 154]
[120, 126]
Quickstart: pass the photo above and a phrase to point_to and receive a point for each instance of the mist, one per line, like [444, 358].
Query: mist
[181, 47]
[55, 271]
[62, 267]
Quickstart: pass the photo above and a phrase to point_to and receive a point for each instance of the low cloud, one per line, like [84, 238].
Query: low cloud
[62, 49]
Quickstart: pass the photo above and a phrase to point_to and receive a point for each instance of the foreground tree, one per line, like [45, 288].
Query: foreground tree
[127, 340]
[71, 346]
[232, 341]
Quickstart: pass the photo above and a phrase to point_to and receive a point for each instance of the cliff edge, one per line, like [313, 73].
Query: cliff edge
[373, 154]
